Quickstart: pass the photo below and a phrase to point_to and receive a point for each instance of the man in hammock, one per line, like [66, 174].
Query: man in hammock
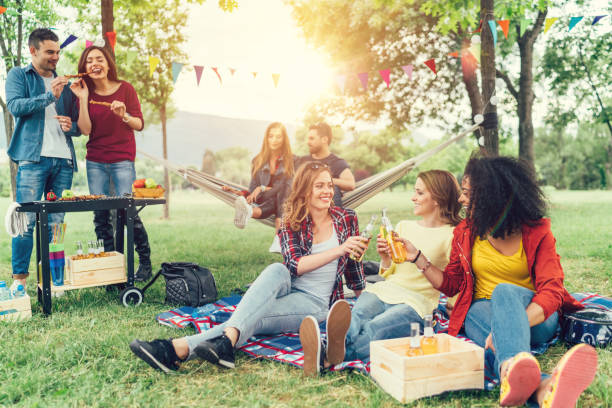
[319, 139]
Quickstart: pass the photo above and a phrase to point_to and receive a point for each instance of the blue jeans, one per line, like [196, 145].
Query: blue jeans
[372, 319]
[270, 306]
[504, 316]
[35, 180]
[122, 174]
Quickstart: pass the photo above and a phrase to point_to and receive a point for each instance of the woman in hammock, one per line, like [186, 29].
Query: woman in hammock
[506, 270]
[386, 309]
[271, 174]
[317, 239]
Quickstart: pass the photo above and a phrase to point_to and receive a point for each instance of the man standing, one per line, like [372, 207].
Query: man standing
[46, 114]
[319, 139]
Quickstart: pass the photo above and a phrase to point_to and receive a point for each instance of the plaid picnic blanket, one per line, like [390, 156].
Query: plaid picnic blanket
[286, 347]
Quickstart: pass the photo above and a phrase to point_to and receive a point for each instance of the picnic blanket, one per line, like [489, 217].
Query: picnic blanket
[286, 347]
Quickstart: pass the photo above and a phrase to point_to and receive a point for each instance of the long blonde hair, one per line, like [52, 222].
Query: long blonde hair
[263, 156]
[295, 208]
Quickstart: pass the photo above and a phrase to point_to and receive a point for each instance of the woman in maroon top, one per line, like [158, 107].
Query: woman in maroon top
[109, 112]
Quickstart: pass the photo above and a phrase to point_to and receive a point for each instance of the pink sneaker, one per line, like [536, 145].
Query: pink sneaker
[521, 380]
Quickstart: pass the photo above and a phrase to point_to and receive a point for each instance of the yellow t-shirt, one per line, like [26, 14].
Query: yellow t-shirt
[404, 283]
[492, 268]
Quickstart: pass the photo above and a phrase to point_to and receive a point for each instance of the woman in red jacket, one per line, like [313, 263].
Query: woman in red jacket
[505, 268]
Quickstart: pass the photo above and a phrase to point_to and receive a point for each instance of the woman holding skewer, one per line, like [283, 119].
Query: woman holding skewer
[109, 112]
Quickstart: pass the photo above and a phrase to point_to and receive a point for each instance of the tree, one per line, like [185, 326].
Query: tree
[20, 18]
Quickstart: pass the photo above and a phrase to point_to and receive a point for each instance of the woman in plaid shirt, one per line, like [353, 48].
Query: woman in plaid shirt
[316, 241]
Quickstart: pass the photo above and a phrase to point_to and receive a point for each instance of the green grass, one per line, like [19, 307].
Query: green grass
[79, 355]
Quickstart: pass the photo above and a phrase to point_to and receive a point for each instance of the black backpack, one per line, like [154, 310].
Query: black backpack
[187, 284]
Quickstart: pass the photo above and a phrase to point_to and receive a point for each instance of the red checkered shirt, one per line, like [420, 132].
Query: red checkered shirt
[296, 244]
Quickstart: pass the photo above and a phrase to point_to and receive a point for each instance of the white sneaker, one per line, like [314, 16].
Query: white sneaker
[243, 212]
[275, 247]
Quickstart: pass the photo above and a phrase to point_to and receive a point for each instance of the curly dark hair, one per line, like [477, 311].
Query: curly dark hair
[504, 195]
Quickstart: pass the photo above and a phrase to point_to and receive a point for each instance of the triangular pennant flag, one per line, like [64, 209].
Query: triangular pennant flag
[524, 23]
[254, 74]
[218, 75]
[493, 31]
[454, 54]
[549, 22]
[475, 51]
[68, 40]
[88, 43]
[2, 10]
[275, 78]
[479, 28]
[595, 20]
[384, 74]
[198, 71]
[341, 81]
[363, 77]
[573, 22]
[130, 56]
[408, 70]
[432, 65]
[232, 71]
[504, 24]
[112, 38]
[176, 70]
[153, 62]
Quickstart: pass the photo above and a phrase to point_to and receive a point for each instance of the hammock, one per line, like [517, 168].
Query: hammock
[364, 189]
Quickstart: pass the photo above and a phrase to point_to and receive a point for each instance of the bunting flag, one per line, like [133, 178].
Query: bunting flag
[88, 43]
[363, 77]
[341, 81]
[176, 70]
[595, 20]
[218, 75]
[505, 25]
[232, 71]
[2, 10]
[479, 28]
[454, 54]
[493, 31]
[112, 38]
[275, 78]
[431, 63]
[254, 74]
[130, 56]
[475, 50]
[524, 23]
[384, 74]
[153, 62]
[198, 71]
[573, 22]
[549, 22]
[408, 71]
[71, 38]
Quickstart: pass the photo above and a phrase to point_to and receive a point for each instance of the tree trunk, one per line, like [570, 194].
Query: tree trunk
[470, 80]
[108, 23]
[163, 118]
[9, 127]
[488, 72]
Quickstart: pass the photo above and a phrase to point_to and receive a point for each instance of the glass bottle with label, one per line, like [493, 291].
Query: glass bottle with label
[415, 343]
[398, 251]
[367, 234]
[429, 343]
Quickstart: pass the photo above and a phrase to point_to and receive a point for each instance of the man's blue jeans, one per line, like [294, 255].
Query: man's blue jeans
[504, 316]
[270, 306]
[372, 319]
[35, 180]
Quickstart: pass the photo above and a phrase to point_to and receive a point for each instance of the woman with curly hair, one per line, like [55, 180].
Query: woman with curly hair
[316, 240]
[506, 272]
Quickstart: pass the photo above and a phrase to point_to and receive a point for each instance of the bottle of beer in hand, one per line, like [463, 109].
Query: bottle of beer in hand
[367, 234]
[398, 251]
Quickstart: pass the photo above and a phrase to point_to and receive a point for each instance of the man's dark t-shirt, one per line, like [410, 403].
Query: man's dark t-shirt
[336, 165]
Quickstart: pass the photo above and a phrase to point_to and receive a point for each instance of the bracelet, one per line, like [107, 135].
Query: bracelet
[427, 265]
[416, 257]
[126, 118]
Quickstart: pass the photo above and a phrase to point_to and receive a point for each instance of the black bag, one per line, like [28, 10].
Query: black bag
[591, 326]
[187, 284]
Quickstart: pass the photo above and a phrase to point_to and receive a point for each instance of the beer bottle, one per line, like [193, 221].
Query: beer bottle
[398, 252]
[415, 344]
[367, 234]
[429, 343]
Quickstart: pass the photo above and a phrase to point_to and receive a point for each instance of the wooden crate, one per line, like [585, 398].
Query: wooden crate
[459, 365]
[16, 309]
[94, 271]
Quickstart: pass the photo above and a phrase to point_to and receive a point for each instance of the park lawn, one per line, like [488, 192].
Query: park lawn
[80, 356]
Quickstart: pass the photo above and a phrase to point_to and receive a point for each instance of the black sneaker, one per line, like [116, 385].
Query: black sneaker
[159, 354]
[143, 273]
[217, 351]
[310, 337]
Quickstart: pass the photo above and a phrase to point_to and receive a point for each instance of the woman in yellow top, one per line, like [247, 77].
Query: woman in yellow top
[386, 309]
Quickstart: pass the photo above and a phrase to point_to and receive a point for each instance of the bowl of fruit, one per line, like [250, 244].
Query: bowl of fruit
[147, 188]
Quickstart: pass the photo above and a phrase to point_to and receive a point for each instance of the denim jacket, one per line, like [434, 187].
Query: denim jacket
[263, 175]
[27, 99]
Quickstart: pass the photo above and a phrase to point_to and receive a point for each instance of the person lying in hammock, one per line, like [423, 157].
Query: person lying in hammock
[386, 309]
[271, 174]
[316, 239]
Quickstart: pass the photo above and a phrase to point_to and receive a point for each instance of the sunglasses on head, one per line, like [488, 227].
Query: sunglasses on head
[317, 165]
